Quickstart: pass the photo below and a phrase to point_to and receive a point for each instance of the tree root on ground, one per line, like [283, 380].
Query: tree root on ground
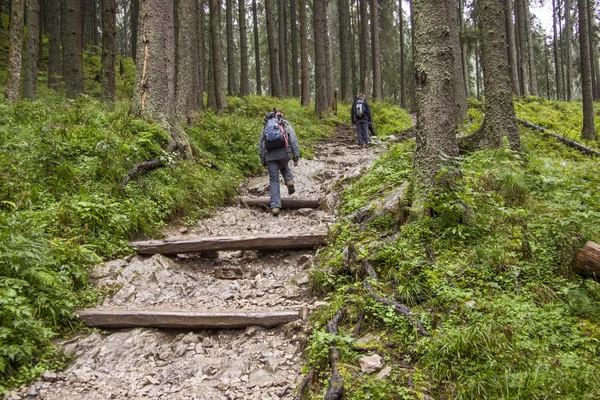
[306, 383]
[140, 167]
[336, 384]
[568, 142]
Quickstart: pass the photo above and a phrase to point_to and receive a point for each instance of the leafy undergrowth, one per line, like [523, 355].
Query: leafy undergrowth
[61, 209]
[488, 276]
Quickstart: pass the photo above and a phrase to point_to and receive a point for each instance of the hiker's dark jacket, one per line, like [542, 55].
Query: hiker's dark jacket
[280, 153]
[366, 114]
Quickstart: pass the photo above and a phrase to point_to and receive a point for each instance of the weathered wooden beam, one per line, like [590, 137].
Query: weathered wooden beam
[230, 243]
[587, 261]
[184, 320]
[285, 202]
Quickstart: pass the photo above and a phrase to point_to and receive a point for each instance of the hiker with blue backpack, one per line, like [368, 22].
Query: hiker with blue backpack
[361, 118]
[277, 146]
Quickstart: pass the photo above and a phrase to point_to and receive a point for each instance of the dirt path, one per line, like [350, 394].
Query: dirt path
[252, 363]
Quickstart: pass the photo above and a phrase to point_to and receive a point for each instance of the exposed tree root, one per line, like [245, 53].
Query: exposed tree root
[336, 384]
[140, 167]
[568, 142]
[306, 383]
[398, 307]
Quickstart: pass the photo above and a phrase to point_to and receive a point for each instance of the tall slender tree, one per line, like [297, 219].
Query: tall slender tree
[200, 52]
[135, 14]
[109, 48]
[244, 80]
[294, 38]
[276, 88]
[319, 26]
[328, 57]
[73, 48]
[231, 78]
[524, 72]
[511, 45]
[376, 46]
[436, 123]
[568, 60]
[305, 78]
[281, 4]
[556, 49]
[365, 69]
[53, 20]
[588, 130]
[344, 36]
[256, 49]
[186, 78]
[216, 56]
[29, 84]
[530, 51]
[402, 56]
[460, 96]
[15, 49]
[463, 48]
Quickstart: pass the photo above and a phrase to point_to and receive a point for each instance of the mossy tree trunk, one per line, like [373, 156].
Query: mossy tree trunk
[135, 15]
[434, 83]
[345, 64]
[216, 55]
[29, 85]
[377, 87]
[321, 105]
[588, 131]
[304, 75]
[276, 89]
[13, 81]
[53, 22]
[231, 78]
[294, 38]
[200, 53]
[109, 48]
[567, 41]
[525, 88]
[460, 96]
[365, 68]
[154, 91]
[72, 24]
[281, 25]
[186, 76]
[244, 81]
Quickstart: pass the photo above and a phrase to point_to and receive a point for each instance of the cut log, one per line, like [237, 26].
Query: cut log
[231, 243]
[587, 261]
[568, 142]
[285, 202]
[184, 320]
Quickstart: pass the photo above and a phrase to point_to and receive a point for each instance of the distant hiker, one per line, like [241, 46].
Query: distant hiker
[277, 146]
[361, 117]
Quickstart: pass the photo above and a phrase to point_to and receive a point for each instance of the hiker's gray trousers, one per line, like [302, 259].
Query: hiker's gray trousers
[362, 131]
[274, 167]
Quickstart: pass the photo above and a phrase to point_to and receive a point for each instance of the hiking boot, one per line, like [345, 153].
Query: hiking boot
[290, 186]
[275, 211]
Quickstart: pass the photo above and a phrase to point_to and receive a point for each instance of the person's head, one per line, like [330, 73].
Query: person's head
[274, 113]
[361, 96]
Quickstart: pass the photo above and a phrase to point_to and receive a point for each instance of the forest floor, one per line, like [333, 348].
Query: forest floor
[251, 363]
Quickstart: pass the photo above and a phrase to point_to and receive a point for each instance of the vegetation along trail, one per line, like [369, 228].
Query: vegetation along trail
[246, 363]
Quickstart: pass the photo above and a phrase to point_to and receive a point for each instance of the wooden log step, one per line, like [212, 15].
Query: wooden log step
[231, 243]
[288, 203]
[587, 261]
[184, 320]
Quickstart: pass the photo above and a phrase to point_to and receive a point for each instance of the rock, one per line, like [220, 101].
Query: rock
[32, 391]
[208, 342]
[291, 292]
[152, 380]
[50, 376]
[360, 215]
[228, 273]
[183, 230]
[328, 203]
[306, 212]
[384, 373]
[370, 364]
[272, 364]
[260, 377]
[258, 185]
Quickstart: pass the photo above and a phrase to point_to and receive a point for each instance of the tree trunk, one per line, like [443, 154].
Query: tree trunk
[256, 49]
[524, 72]
[460, 98]
[73, 48]
[186, 60]
[568, 62]
[477, 73]
[511, 46]
[530, 52]
[353, 31]
[29, 88]
[463, 49]
[587, 261]
[231, 81]
[15, 49]
[345, 37]
[154, 91]
[217, 58]
[294, 34]
[200, 53]
[593, 57]
[244, 80]
[499, 110]
[436, 124]
[54, 70]
[305, 78]
[109, 48]
[93, 26]
[588, 131]
[402, 56]
[556, 47]
[282, 46]
[365, 69]
[321, 105]
[135, 15]
[377, 88]
[328, 58]
[276, 89]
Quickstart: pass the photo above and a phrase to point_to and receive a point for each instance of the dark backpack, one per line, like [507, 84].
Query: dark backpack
[359, 108]
[274, 134]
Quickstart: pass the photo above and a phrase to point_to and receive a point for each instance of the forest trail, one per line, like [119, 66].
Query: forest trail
[251, 363]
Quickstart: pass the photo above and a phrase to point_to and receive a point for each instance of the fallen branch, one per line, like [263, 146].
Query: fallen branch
[399, 308]
[568, 142]
[336, 384]
[140, 167]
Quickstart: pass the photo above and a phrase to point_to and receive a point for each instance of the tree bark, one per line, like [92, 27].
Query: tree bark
[365, 69]
[135, 15]
[556, 48]
[294, 34]
[587, 261]
[200, 53]
[593, 58]
[29, 84]
[109, 48]
[524, 71]
[73, 48]
[54, 70]
[305, 78]
[256, 49]
[345, 37]
[460, 97]
[377, 88]
[15, 51]
[511, 46]
[328, 58]
[321, 106]
[436, 124]
[244, 80]
[186, 77]
[402, 56]
[530, 51]
[231, 78]
[276, 89]
[282, 45]
[588, 131]
[568, 62]
[217, 58]
[463, 49]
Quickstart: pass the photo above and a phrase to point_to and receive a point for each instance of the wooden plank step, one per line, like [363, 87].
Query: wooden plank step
[231, 243]
[184, 320]
[288, 203]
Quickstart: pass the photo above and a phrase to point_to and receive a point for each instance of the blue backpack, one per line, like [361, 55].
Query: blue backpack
[359, 108]
[274, 134]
